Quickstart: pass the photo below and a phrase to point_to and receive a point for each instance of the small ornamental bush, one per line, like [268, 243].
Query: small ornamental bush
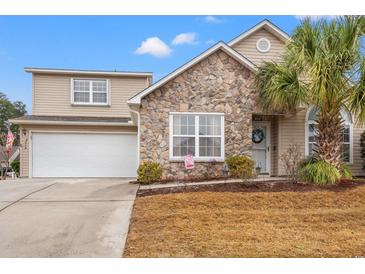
[149, 172]
[320, 173]
[291, 160]
[240, 166]
[15, 166]
[345, 172]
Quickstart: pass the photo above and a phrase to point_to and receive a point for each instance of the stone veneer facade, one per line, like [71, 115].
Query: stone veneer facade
[216, 84]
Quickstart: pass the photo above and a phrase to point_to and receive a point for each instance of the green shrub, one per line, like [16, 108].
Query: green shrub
[240, 166]
[149, 172]
[311, 159]
[345, 172]
[15, 166]
[320, 173]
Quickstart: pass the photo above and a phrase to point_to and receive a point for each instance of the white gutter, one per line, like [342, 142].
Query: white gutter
[138, 132]
[70, 123]
[88, 72]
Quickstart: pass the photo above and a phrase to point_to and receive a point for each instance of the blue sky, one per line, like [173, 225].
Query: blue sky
[111, 43]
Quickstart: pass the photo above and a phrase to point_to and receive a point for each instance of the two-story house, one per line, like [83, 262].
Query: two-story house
[80, 124]
[102, 124]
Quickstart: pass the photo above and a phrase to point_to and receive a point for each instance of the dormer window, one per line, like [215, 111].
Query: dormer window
[90, 91]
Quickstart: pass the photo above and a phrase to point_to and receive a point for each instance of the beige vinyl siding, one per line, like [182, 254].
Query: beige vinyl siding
[24, 153]
[356, 166]
[25, 141]
[291, 131]
[247, 47]
[52, 95]
[274, 145]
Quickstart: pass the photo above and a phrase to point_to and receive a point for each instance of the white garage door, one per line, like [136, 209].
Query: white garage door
[84, 155]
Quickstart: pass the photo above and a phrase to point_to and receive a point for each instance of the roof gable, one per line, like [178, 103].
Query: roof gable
[265, 24]
[219, 46]
[249, 48]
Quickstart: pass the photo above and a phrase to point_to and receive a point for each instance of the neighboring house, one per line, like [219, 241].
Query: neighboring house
[102, 124]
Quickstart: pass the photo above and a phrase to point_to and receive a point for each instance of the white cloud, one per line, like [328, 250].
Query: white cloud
[315, 17]
[185, 38]
[212, 19]
[209, 42]
[155, 47]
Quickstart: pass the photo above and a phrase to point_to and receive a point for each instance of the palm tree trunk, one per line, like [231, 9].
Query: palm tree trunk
[328, 142]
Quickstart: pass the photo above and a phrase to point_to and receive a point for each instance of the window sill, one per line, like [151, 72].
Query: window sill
[90, 105]
[199, 160]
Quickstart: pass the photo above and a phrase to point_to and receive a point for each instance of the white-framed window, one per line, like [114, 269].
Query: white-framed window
[311, 131]
[198, 134]
[89, 91]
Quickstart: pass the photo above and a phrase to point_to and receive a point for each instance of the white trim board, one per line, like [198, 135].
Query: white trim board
[82, 132]
[197, 113]
[136, 100]
[70, 123]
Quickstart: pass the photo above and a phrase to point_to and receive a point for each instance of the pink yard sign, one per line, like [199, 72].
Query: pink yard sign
[189, 161]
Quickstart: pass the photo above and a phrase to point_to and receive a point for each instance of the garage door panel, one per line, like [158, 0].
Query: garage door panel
[84, 155]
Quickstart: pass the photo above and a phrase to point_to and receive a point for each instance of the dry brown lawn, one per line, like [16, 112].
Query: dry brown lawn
[262, 224]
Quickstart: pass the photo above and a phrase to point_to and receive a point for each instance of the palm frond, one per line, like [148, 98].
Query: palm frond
[356, 99]
[280, 88]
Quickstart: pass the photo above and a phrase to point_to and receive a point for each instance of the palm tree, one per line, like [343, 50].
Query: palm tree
[322, 66]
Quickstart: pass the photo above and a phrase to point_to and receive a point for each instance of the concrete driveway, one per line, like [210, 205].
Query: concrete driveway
[64, 217]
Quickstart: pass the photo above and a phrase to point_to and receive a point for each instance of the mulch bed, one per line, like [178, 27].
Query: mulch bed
[267, 186]
[186, 180]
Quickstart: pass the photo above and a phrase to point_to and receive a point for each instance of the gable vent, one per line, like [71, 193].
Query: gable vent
[263, 45]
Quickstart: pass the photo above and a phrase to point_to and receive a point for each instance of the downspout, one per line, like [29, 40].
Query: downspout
[148, 83]
[138, 132]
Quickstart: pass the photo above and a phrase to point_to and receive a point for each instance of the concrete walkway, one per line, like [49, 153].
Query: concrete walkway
[167, 185]
[64, 217]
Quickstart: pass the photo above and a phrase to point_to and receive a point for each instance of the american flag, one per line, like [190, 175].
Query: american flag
[10, 137]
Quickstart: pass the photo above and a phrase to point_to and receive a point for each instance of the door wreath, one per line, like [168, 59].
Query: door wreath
[258, 136]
